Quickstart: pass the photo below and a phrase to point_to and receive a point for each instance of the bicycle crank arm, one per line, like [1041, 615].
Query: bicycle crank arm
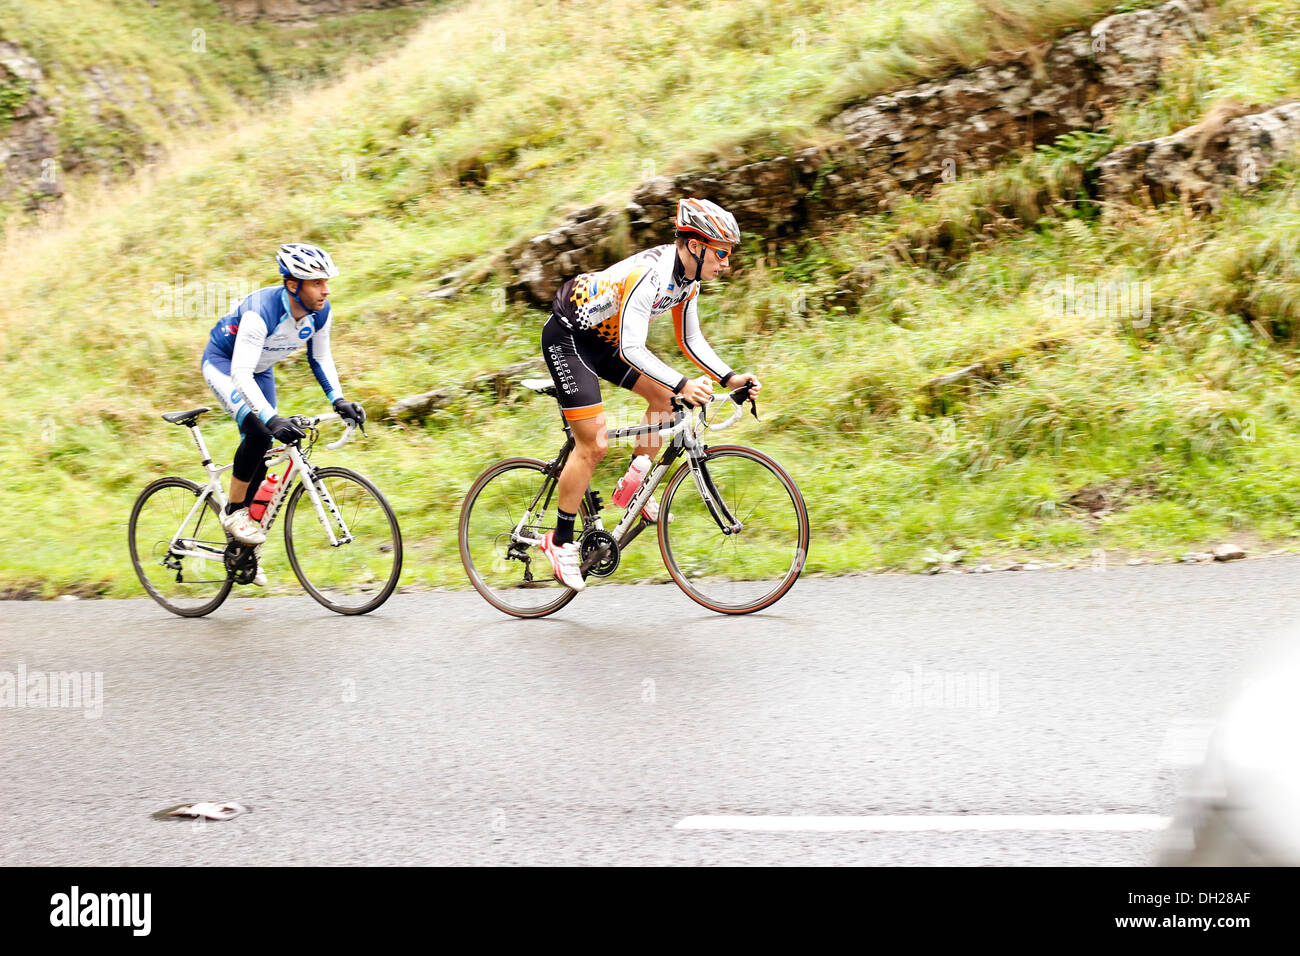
[593, 559]
[599, 553]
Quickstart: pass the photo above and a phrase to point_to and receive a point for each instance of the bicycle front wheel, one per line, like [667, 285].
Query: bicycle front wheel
[358, 571]
[744, 571]
[503, 509]
[177, 549]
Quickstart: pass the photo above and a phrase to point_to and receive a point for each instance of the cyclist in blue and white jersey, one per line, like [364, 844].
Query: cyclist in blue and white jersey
[238, 365]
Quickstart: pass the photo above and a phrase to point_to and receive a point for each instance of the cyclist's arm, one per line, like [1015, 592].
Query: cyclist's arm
[243, 363]
[686, 321]
[634, 327]
[322, 362]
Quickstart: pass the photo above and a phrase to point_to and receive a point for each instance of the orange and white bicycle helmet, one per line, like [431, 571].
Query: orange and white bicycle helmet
[707, 221]
[701, 219]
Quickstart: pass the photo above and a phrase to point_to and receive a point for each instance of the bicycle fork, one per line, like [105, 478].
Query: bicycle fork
[713, 500]
[321, 499]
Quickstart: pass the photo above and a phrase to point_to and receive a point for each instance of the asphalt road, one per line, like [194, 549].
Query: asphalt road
[438, 731]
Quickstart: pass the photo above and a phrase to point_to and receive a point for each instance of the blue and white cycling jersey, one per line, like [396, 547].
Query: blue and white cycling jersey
[259, 332]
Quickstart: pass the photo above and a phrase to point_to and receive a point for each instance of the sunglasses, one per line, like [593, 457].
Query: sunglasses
[722, 254]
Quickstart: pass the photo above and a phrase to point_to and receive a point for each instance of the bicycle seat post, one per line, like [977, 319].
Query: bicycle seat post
[203, 448]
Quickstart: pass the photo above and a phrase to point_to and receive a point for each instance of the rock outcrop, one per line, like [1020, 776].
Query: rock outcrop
[496, 384]
[28, 145]
[299, 11]
[891, 144]
[1234, 147]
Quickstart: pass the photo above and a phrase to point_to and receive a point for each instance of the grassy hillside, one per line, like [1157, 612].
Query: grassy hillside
[1182, 424]
[123, 76]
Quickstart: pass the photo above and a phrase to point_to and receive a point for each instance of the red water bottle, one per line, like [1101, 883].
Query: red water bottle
[265, 492]
[631, 482]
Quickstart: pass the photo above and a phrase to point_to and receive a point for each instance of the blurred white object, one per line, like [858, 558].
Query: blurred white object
[1244, 808]
[209, 811]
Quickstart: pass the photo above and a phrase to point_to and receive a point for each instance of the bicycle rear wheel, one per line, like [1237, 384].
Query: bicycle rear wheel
[179, 562]
[513, 577]
[748, 570]
[357, 575]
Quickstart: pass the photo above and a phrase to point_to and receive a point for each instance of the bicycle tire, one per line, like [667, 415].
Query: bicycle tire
[495, 595]
[133, 528]
[316, 589]
[684, 519]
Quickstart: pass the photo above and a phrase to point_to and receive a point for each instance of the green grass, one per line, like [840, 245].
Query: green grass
[124, 76]
[1187, 420]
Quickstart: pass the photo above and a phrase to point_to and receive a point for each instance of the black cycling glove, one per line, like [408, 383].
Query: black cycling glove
[350, 411]
[284, 431]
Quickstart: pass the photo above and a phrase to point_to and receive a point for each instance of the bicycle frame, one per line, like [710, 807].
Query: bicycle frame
[298, 467]
[684, 441]
[320, 498]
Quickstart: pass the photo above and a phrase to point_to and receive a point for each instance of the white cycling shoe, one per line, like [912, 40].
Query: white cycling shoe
[259, 578]
[241, 526]
[565, 561]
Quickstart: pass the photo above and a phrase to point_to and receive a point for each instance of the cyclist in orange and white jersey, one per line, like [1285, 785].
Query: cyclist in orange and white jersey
[598, 328]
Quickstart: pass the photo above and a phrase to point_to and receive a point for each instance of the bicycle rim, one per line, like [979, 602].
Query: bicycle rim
[743, 572]
[493, 507]
[355, 576]
[185, 585]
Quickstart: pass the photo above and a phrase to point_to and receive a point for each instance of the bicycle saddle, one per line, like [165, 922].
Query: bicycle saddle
[543, 385]
[185, 418]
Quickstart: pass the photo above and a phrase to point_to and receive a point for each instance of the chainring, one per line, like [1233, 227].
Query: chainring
[241, 562]
[592, 542]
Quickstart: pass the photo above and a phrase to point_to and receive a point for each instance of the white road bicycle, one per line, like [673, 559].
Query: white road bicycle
[340, 535]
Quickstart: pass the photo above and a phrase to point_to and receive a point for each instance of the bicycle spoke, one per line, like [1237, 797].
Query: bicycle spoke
[178, 559]
[350, 577]
[498, 569]
[748, 570]
[744, 519]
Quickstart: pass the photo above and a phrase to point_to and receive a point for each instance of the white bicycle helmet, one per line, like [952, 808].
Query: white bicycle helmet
[298, 260]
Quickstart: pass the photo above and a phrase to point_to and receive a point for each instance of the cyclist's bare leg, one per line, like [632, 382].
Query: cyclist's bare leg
[659, 412]
[238, 490]
[590, 446]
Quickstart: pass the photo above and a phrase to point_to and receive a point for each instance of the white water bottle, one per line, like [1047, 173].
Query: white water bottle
[629, 483]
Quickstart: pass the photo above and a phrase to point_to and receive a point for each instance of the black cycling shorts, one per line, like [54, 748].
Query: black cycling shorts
[577, 362]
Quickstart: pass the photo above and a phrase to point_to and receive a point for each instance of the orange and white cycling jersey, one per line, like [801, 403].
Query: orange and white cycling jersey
[617, 304]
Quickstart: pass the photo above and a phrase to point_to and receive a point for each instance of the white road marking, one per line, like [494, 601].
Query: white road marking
[1095, 822]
